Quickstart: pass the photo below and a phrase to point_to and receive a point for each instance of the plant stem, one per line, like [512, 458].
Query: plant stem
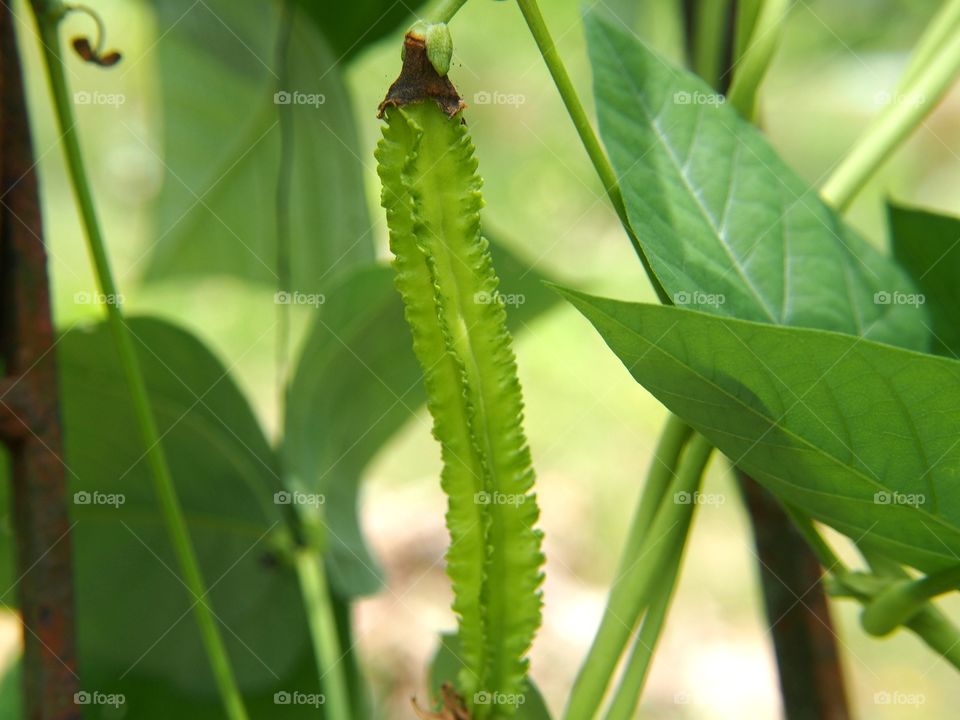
[282, 203]
[30, 417]
[938, 32]
[757, 54]
[666, 455]
[608, 177]
[933, 627]
[707, 53]
[894, 124]
[323, 633]
[442, 11]
[48, 24]
[823, 552]
[633, 592]
[627, 697]
[804, 642]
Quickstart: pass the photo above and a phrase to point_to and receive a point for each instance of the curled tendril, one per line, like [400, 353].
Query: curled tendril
[93, 53]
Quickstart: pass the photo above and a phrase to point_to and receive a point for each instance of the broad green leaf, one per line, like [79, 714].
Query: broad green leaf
[135, 625]
[860, 435]
[928, 247]
[445, 668]
[357, 382]
[351, 27]
[219, 72]
[727, 226]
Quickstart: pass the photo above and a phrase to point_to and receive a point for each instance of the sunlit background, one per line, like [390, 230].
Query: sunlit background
[590, 426]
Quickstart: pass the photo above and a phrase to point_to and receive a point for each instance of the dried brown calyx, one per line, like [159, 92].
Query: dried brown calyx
[453, 706]
[419, 81]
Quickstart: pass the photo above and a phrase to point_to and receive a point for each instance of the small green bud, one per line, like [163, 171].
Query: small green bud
[439, 47]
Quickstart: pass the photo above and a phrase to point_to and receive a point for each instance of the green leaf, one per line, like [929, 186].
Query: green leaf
[351, 27]
[727, 226]
[445, 668]
[136, 629]
[860, 435]
[217, 213]
[357, 382]
[928, 247]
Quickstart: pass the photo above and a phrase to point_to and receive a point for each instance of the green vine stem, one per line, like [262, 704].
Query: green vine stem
[666, 455]
[913, 102]
[323, 633]
[904, 599]
[442, 11]
[929, 624]
[758, 51]
[48, 17]
[628, 694]
[591, 143]
[635, 591]
[707, 52]
[944, 24]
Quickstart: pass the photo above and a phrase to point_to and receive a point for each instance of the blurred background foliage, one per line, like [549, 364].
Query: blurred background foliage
[184, 172]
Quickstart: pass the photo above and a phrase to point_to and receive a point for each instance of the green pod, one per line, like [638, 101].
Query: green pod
[431, 193]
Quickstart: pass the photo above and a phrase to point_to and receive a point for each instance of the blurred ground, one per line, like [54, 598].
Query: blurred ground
[591, 428]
